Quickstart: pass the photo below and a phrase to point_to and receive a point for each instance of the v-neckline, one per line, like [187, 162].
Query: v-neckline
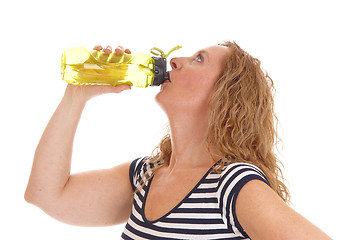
[178, 204]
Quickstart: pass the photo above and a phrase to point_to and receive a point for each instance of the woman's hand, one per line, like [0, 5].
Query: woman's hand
[85, 93]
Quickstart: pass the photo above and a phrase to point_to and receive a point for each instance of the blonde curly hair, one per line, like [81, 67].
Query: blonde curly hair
[242, 122]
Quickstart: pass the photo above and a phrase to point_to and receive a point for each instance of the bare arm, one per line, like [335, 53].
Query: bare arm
[263, 215]
[95, 198]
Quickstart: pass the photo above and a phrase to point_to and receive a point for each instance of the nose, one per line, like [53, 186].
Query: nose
[176, 63]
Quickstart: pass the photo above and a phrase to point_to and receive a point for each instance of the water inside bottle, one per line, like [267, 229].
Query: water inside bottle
[82, 67]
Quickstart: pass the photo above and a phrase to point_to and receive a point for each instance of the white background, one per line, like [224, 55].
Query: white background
[306, 47]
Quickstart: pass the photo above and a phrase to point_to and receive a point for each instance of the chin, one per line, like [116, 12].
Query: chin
[159, 98]
[162, 95]
[165, 102]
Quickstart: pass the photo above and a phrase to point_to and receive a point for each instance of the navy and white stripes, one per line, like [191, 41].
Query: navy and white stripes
[207, 212]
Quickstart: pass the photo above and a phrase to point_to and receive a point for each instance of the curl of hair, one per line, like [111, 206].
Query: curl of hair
[242, 122]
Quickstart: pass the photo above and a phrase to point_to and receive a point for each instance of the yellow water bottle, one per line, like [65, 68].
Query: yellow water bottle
[80, 66]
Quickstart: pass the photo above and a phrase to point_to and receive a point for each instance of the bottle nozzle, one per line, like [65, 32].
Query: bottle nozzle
[161, 73]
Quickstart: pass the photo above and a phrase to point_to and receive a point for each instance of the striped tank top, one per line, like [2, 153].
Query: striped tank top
[207, 212]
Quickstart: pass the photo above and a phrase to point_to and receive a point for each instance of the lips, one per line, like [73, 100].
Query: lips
[169, 76]
[167, 81]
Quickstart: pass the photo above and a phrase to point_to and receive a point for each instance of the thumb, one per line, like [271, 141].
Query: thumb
[120, 88]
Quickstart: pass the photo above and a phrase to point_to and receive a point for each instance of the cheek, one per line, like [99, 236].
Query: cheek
[196, 79]
[200, 92]
[192, 91]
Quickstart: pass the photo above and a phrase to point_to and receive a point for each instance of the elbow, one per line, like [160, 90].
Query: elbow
[40, 197]
[33, 196]
[26, 197]
[29, 196]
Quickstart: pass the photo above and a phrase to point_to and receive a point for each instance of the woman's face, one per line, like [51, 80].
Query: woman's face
[192, 80]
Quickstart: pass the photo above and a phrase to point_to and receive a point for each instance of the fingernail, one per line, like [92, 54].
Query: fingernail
[108, 49]
[118, 50]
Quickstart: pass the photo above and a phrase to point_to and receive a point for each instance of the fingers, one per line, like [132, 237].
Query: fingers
[108, 49]
[115, 89]
[121, 88]
[121, 49]
[97, 47]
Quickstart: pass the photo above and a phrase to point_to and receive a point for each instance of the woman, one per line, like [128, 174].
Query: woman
[214, 176]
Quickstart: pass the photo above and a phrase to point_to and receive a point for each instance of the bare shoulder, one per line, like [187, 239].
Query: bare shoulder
[120, 171]
[264, 215]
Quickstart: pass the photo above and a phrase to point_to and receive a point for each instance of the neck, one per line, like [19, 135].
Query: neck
[189, 148]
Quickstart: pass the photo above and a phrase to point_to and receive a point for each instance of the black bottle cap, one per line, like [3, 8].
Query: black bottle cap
[161, 74]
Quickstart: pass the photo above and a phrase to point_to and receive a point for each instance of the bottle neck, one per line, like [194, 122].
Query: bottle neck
[161, 73]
